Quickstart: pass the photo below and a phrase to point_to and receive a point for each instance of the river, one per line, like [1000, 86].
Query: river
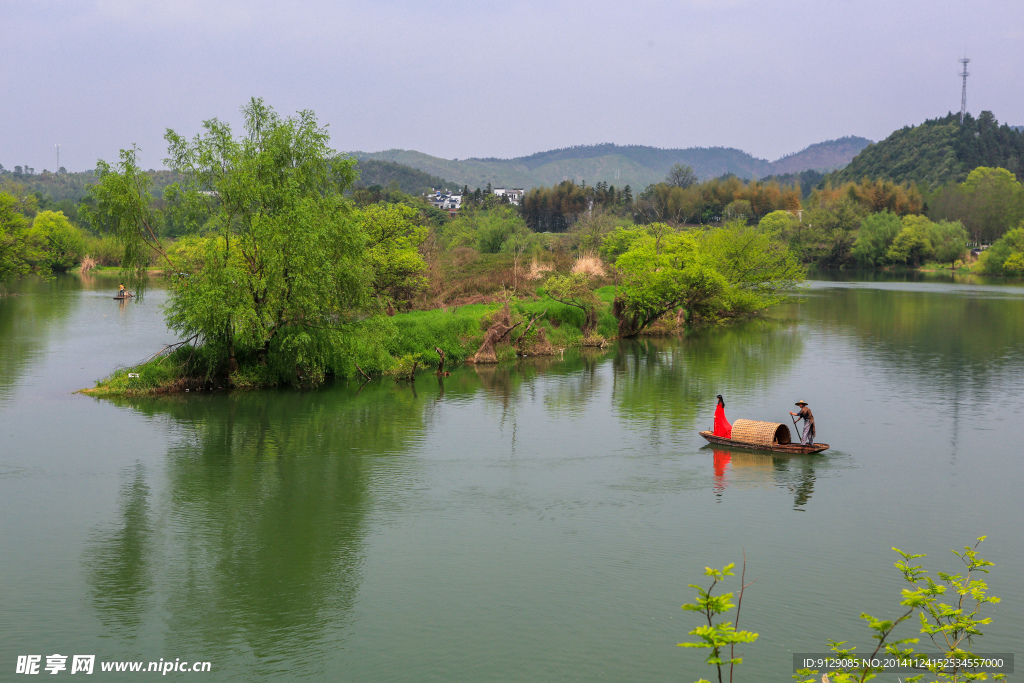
[530, 522]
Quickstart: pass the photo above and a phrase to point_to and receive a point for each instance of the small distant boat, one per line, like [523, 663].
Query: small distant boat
[126, 295]
[763, 436]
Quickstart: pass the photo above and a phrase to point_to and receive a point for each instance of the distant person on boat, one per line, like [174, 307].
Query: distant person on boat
[121, 291]
[722, 426]
[807, 416]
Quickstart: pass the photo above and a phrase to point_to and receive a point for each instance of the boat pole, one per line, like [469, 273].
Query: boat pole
[798, 437]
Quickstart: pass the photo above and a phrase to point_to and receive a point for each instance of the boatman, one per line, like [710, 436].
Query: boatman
[807, 416]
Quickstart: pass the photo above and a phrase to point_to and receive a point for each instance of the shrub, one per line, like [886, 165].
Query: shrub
[104, 250]
[62, 245]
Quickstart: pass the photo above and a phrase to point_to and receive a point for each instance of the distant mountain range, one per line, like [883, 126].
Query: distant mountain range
[634, 165]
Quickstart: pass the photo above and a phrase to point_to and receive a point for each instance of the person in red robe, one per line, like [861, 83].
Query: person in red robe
[722, 426]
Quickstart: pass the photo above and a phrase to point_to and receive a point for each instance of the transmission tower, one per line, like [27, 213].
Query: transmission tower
[963, 93]
[58, 157]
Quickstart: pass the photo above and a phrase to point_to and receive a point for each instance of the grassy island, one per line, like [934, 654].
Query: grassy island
[458, 332]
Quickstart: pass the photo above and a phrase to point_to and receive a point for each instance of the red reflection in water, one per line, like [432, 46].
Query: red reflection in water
[722, 460]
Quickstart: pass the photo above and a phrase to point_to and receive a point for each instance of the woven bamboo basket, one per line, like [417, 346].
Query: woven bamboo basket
[761, 433]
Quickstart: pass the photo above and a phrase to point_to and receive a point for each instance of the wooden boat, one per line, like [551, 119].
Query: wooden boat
[120, 297]
[763, 436]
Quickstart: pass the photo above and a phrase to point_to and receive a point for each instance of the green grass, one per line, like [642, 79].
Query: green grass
[933, 265]
[458, 331]
[156, 375]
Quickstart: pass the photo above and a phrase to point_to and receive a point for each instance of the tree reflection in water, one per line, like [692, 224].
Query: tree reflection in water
[119, 560]
[258, 554]
[664, 385]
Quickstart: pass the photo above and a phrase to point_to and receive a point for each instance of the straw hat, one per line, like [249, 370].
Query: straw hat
[800, 403]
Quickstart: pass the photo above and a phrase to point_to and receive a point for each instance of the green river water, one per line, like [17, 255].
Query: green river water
[531, 522]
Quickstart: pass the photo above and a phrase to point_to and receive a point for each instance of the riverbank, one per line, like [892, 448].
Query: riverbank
[458, 331]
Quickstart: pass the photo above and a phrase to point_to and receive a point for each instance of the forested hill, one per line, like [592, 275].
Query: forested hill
[406, 178]
[939, 151]
[634, 165]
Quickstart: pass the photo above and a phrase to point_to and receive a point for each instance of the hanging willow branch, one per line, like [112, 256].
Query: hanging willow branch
[123, 206]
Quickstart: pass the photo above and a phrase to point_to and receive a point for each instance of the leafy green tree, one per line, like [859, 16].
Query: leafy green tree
[995, 202]
[394, 235]
[284, 281]
[657, 281]
[949, 239]
[779, 222]
[829, 231]
[1006, 256]
[495, 226]
[739, 209]
[913, 244]
[659, 231]
[14, 259]
[589, 232]
[619, 240]
[519, 243]
[759, 269]
[121, 204]
[1014, 264]
[733, 270]
[876, 235]
[458, 232]
[61, 245]
[575, 290]
[681, 175]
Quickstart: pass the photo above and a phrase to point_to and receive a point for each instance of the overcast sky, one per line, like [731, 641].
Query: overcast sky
[459, 78]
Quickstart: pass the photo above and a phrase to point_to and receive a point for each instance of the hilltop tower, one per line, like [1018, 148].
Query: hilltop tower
[963, 93]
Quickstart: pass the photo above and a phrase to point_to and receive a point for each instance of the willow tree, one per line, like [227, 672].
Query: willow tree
[282, 281]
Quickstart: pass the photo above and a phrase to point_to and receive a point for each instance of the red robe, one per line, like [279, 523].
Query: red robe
[722, 426]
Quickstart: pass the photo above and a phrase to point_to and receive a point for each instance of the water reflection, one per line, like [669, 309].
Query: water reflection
[958, 342]
[671, 382]
[260, 548]
[576, 391]
[316, 535]
[30, 310]
[741, 469]
[119, 559]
